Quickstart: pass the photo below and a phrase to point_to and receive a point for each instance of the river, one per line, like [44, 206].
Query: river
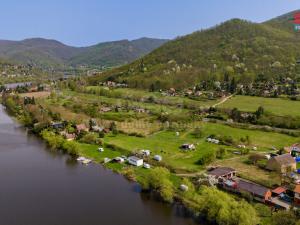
[40, 187]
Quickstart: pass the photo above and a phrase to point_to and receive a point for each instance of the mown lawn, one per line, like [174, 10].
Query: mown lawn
[263, 140]
[277, 106]
[91, 151]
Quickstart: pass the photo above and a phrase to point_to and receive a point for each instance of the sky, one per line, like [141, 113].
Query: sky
[87, 22]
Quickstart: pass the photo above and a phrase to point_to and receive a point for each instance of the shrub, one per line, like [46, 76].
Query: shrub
[70, 147]
[284, 217]
[207, 158]
[158, 180]
[221, 153]
[254, 158]
[90, 138]
[220, 208]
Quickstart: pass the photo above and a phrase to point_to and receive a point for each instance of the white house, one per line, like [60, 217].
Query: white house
[133, 160]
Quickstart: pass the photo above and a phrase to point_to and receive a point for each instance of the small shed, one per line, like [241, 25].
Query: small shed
[222, 172]
[133, 160]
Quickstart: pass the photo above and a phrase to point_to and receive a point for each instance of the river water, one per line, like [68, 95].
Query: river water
[39, 187]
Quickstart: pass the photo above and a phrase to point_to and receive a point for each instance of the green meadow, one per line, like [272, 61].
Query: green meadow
[276, 106]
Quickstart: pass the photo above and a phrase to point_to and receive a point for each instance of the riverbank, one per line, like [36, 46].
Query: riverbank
[203, 201]
[42, 186]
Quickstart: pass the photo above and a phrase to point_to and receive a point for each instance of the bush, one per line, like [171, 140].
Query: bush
[220, 208]
[284, 217]
[207, 158]
[90, 138]
[158, 180]
[221, 153]
[54, 141]
[254, 158]
[70, 147]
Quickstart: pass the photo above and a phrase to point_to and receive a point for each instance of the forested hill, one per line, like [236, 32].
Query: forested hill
[51, 53]
[116, 53]
[237, 48]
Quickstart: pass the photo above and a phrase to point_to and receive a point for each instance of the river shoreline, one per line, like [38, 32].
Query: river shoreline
[179, 207]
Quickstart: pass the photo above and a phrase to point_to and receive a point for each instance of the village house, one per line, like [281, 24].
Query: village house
[279, 198]
[70, 137]
[172, 92]
[188, 92]
[140, 110]
[258, 192]
[295, 150]
[278, 191]
[57, 125]
[105, 109]
[294, 147]
[282, 163]
[221, 173]
[81, 127]
[297, 195]
[97, 128]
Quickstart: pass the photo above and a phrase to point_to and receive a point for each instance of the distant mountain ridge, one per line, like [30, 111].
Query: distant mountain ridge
[236, 48]
[52, 53]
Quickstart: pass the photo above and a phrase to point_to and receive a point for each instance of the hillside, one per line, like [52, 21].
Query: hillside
[116, 53]
[238, 48]
[46, 53]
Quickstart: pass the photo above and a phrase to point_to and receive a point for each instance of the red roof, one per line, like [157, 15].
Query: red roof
[279, 190]
[297, 189]
[297, 15]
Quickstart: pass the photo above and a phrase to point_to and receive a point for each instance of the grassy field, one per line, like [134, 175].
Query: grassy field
[119, 101]
[127, 93]
[250, 172]
[276, 106]
[133, 125]
[263, 140]
[91, 151]
[167, 144]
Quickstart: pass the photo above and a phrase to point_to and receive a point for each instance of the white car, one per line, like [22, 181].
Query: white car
[146, 166]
